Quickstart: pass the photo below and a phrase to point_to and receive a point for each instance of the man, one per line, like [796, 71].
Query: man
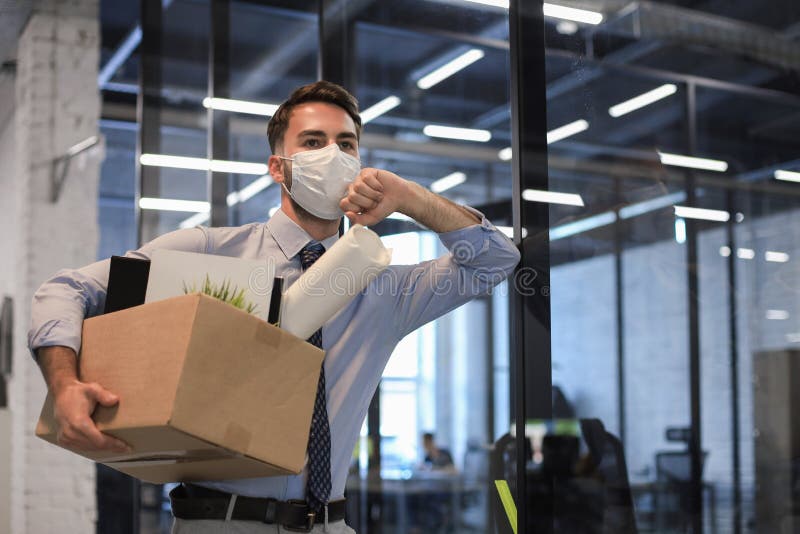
[435, 457]
[314, 139]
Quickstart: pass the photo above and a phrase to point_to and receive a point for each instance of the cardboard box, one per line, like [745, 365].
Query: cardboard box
[207, 392]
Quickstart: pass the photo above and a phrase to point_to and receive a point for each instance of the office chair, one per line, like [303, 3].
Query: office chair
[674, 477]
[569, 493]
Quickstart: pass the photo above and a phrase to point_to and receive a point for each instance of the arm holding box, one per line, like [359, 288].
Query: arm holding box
[57, 312]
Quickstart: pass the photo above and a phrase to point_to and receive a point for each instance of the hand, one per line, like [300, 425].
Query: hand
[374, 195]
[75, 402]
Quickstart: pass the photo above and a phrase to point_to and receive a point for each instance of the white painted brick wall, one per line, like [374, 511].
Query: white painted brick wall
[57, 105]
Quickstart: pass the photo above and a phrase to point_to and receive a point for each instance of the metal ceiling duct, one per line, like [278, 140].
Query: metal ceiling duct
[681, 26]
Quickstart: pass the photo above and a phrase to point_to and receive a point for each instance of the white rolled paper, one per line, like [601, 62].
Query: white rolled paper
[355, 260]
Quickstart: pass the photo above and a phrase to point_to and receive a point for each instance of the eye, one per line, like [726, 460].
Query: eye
[312, 143]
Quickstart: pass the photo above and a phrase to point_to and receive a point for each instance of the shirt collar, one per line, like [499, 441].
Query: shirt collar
[290, 237]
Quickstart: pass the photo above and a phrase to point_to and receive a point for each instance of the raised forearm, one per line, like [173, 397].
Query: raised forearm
[434, 211]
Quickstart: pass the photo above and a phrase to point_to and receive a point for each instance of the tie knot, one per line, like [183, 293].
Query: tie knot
[311, 253]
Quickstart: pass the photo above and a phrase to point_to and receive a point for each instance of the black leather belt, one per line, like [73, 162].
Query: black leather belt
[195, 502]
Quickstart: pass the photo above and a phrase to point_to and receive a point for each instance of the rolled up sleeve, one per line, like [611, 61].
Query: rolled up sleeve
[62, 302]
[480, 257]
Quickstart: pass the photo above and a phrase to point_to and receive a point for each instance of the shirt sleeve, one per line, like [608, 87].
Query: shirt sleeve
[62, 302]
[479, 258]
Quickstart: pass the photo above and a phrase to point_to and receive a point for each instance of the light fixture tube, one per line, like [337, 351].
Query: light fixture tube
[240, 106]
[642, 100]
[378, 109]
[448, 182]
[702, 213]
[552, 197]
[451, 67]
[461, 134]
[170, 204]
[691, 162]
[562, 132]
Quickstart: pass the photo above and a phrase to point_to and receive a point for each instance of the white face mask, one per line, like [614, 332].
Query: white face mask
[320, 179]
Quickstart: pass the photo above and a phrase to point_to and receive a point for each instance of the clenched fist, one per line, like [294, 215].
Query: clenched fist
[374, 195]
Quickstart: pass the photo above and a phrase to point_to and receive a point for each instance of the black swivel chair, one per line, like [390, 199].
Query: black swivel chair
[568, 493]
[672, 496]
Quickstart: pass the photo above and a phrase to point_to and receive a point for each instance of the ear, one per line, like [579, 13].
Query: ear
[275, 165]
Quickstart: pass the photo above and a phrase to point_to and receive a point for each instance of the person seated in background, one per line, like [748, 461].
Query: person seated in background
[435, 457]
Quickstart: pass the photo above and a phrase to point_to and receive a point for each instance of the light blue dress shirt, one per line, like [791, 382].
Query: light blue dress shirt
[357, 341]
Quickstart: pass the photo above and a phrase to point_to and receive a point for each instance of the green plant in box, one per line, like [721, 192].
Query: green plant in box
[224, 292]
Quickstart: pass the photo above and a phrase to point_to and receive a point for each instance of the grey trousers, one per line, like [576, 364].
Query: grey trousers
[218, 526]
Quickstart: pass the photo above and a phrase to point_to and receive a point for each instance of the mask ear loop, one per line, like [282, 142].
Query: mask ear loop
[283, 184]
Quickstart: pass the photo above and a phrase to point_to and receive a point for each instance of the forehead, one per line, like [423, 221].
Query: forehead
[322, 116]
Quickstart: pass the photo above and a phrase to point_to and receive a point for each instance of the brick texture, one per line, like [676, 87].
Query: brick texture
[57, 105]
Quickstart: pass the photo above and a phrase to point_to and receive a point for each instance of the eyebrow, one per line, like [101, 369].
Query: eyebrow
[320, 133]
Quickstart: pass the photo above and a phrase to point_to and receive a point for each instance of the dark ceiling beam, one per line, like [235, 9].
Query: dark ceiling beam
[123, 52]
[277, 62]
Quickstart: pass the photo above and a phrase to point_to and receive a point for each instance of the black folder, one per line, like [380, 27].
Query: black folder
[127, 283]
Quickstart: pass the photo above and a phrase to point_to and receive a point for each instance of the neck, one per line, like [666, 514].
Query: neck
[318, 229]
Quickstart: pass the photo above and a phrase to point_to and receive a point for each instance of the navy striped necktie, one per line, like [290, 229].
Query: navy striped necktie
[318, 487]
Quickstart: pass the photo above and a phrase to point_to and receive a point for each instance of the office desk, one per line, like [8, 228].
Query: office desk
[405, 501]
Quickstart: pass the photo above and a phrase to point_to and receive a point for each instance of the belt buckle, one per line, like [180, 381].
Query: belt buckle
[310, 518]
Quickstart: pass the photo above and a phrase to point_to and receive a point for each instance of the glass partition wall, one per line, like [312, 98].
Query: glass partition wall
[639, 372]
[673, 293]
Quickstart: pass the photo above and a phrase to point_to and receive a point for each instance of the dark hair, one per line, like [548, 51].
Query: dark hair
[428, 436]
[320, 91]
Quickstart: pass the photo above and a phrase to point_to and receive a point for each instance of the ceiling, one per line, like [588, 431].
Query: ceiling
[742, 56]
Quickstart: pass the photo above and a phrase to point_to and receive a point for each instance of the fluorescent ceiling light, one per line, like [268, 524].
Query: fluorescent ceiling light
[169, 204]
[794, 337]
[701, 213]
[448, 182]
[567, 27]
[451, 67]
[493, 3]
[724, 251]
[462, 134]
[505, 154]
[194, 220]
[202, 164]
[582, 225]
[642, 100]
[571, 13]
[250, 190]
[692, 162]
[240, 106]
[745, 253]
[552, 197]
[273, 210]
[567, 130]
[554, 11]
[376, 110]
[680, 231]
[653, 204]
[777, 257]
[788, 176]
[174, 162]
[777, 315]
[238, 167]
[509, 231]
